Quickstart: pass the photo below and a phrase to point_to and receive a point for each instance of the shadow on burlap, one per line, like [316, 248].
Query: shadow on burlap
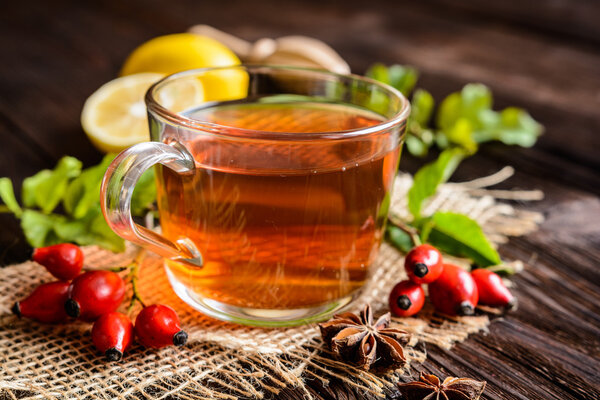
[221, 360]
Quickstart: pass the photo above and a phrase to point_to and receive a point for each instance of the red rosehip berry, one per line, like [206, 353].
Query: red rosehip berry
[158, 326]
[112, 334]
[454, 292]
[492, 291]
[45, 303]
[406, 299]
[94, 293]
[423, 264]
[64, 261]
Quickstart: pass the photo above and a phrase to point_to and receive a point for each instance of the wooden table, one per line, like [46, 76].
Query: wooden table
[544, 56]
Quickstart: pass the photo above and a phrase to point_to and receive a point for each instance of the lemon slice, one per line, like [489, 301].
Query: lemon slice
[180, 95]
[114, 117]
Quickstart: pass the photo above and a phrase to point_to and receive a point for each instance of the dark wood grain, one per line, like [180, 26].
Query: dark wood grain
[543, 56]
[574, 18]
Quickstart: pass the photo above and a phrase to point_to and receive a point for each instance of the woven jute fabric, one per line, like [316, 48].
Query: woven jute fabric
[226, 361]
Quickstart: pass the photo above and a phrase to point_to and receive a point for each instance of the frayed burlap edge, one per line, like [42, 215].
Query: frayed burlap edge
[224, 361]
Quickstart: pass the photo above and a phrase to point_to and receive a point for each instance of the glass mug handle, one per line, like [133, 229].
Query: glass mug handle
[117, 190]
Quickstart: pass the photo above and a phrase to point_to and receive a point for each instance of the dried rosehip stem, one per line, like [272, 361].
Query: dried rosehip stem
[134, 276]
[411, 231]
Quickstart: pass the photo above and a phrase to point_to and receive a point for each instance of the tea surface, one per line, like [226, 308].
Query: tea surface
[280, 223]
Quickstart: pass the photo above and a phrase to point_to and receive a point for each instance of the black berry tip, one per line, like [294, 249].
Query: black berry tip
[113, 354]
[29, 251]
[420, 270]
[404, 302]
[180, 338]
[466, 308]
[72, 308]
[16, 309]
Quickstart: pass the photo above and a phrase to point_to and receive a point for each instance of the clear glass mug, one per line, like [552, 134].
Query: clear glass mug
[272, 193]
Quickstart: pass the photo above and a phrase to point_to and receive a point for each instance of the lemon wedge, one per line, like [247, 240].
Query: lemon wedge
[114, 116]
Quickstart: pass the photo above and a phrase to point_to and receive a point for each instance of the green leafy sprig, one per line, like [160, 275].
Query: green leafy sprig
[63, 204]
[463, 119]
[453, 233]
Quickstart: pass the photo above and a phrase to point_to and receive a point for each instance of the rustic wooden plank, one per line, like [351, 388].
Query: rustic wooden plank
[577, 18]
[21, 158]
[522, 69]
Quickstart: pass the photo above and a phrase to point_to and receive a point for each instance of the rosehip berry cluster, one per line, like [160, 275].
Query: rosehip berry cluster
[452, 290]
[94, 296]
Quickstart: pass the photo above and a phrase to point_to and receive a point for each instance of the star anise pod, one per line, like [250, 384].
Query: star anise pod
[429, 387]
[357, 340]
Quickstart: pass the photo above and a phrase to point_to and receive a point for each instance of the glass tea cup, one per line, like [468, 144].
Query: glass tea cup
[273, 187]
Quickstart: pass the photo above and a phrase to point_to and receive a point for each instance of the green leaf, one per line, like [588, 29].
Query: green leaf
[46, 188]
[461, 133]
[460, 114]
[459, 235]
[425, 226]
[85, 224]
[421, 107]
[403, 78]
[467, 118]
[7, 194]
[428, 178]
[400, 239]
[30, 185]
[378, 101]
[103, 236]
[83, 192]
[379, 72]
[416, 146]
[39, 228]
[92, 229]
[475, 98]
[449, 112]
[512, 126]
[144, 193]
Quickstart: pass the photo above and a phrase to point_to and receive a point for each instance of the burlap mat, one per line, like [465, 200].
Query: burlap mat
[222, 360]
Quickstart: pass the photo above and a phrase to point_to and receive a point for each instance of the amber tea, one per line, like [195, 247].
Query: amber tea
[298, 228]
[273, 188]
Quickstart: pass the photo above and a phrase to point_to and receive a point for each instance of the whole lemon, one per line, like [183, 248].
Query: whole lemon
[183, 51]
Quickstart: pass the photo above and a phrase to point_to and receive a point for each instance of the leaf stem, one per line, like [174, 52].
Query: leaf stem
[121, 269]
[134, 276]
[410, 230]
[509, 268]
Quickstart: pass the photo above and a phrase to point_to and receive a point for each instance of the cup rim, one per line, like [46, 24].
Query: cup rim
[231, 131]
